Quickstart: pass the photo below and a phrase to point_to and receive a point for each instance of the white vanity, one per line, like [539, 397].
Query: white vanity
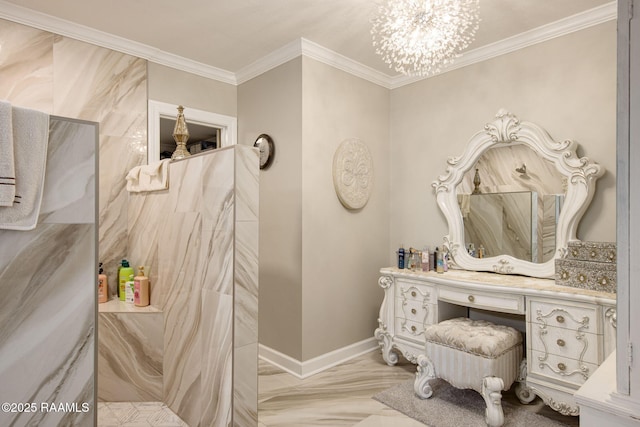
[569, 330]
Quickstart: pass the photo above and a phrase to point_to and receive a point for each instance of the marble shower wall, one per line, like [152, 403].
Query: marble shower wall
[200, 241]
[69, 78]
[47, 277]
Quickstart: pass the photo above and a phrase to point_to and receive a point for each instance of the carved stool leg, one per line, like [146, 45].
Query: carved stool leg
[425, 373]
[492, 394]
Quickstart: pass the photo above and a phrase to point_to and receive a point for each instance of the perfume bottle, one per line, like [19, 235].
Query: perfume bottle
[440, 262]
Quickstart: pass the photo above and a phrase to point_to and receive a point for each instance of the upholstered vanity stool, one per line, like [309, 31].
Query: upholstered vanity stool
[473, 354]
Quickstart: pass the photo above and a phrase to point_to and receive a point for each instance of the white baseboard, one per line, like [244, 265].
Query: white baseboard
[318, 364]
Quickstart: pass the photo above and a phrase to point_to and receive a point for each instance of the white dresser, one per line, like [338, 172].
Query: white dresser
[569, 331]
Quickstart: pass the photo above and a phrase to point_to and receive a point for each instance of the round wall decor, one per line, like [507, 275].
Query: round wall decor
[353, 173]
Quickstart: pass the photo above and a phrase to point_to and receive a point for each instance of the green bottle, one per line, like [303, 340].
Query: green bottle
[123, 277]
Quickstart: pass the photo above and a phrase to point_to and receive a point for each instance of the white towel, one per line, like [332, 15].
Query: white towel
[30, 140]
[464, 200]
[151, 177]
[7, 166]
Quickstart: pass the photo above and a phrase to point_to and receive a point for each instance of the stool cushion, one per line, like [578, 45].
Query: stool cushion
[477, 337]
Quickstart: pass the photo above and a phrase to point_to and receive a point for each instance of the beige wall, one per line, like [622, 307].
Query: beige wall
[342, 250]
[178, 87]
[272, 103]
[566, 84]
[319, 262]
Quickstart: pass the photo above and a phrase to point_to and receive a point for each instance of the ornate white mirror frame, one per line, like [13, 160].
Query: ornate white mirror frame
[506, 130]
[228, 125]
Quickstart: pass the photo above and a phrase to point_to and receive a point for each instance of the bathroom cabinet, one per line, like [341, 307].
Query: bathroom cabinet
[569, 331]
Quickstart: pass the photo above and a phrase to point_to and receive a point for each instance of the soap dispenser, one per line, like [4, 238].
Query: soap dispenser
[103, 288]
[141, 288]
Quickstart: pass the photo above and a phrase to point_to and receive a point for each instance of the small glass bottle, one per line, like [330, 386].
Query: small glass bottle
[424, 259]
[472, 250]
[414, 259]
[440, 262]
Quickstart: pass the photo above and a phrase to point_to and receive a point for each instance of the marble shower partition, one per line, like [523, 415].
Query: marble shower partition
[48, 284]
[200, 241]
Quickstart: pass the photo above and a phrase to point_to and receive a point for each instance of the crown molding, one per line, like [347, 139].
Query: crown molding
[341, 62]
[22, 15]
[568, 25]
[315, 51]
[301, 46]
[276, 58]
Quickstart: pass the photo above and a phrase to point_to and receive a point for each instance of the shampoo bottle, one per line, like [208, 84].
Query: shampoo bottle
[123, 277]
[103, 288]
[141, 288]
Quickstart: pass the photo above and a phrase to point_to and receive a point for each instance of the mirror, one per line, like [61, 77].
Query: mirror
[510, 203]
[531, 193]
[207, 130]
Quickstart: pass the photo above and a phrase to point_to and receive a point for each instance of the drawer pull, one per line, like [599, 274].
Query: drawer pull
[560, 319]
[413, 294]
[413, 311]
[560, 342]
[413, 329]
[562, 366]
[471, 298]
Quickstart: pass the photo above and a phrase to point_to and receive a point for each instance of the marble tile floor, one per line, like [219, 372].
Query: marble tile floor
[137, 414]
[340, 396]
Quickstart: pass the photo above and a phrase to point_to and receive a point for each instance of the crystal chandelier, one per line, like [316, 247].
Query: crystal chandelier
[420, 37]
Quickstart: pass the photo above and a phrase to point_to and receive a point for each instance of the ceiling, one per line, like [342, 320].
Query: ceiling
[231, 35]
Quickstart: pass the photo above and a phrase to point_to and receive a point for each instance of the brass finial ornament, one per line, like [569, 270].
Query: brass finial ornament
[181, 136]
[476, 183]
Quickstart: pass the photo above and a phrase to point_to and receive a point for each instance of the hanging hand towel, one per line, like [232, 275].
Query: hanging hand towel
[30, 140]
[7, 167]
[151, 177]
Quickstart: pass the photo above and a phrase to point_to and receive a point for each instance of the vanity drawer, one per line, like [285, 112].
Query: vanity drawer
[565, 343]
[409, 329]
[416, 291]
[415, 311]
[561, 315]
[560, 368]
[484, 300]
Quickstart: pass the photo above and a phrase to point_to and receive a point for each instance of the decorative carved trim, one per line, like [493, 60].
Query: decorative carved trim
[611, 315]
[580, 172]
[385, 341]
[385, 281]
[564, 408]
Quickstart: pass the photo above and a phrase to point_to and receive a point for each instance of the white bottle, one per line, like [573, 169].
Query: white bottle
[129, 290]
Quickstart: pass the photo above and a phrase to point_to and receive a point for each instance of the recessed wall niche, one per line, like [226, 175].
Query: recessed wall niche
[207, 130]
